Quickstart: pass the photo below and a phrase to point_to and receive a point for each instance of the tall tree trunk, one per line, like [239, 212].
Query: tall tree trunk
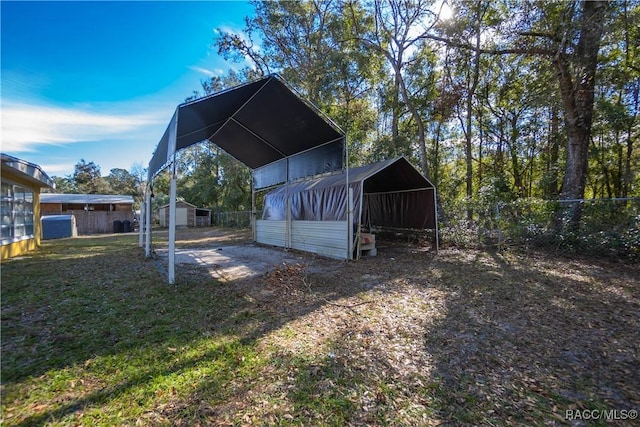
[436, 155]
[419, 122]
[578, 97]
[472, 85]
[395, 114]
[554, 150]
[628, 174]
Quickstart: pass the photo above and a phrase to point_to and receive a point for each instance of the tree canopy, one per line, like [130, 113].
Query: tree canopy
[501, 98]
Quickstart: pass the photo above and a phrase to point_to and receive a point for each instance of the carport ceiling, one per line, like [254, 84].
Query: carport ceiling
[258, 123]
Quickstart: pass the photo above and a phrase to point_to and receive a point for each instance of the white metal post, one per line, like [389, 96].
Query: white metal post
[253, 218]
[349, 201]
[435, 210]
[172, 228]
[171, 156]
[141, 226]
[350, 223]
[147, 224]
[287, 206]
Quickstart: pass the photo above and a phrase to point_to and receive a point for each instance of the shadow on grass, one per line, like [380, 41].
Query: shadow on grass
[526, 339]
[464, 338]
[97, 312]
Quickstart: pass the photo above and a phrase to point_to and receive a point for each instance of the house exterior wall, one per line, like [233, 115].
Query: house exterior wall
[29, 243]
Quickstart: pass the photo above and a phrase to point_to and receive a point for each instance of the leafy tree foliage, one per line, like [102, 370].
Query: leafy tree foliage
[502, 100]
[88, 180]
[121, 181]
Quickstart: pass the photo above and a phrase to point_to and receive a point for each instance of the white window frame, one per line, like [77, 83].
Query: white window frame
[17, 219]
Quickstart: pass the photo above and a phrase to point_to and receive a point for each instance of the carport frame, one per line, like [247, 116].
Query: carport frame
[307, 118]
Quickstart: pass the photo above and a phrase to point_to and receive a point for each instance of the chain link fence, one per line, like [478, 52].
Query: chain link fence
[594, 227]
[236, 219]
[607, 228]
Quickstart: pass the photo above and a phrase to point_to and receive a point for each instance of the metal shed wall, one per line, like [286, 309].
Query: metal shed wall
[321, 215]
[326, 238]
[272, 232]
[58, 227]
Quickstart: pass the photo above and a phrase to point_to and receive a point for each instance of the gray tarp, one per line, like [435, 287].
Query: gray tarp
[392, 194]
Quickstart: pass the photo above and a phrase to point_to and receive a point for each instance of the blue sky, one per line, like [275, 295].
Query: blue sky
[100, 81]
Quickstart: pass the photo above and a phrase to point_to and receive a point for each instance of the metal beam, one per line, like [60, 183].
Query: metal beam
[172, 228]
[147, 223]
[141, 226]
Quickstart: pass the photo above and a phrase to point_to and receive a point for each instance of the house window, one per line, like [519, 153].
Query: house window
[16, 209]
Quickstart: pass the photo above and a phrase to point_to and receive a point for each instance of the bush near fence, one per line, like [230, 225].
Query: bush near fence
[607, 228]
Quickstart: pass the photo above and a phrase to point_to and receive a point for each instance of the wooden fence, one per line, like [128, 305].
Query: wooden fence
[96, 222]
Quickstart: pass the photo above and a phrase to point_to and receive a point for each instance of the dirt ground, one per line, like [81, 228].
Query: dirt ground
[237, 262]
[460, 335]
[232, 255]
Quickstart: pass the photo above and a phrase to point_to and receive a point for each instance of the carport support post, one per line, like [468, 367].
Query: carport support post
[435, 212]
[253, 210]
[172, 225]
[147, 224]
[141, 226]
[350, 223]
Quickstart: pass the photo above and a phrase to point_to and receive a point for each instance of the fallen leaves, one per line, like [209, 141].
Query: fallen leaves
[404, 338]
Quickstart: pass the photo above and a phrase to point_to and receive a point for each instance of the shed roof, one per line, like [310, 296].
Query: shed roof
[259, 123]
[27, 171]
[92, 199]
[388, 175]
[182, 202]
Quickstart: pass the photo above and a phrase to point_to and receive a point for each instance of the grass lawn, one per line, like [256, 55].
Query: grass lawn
[93, 335]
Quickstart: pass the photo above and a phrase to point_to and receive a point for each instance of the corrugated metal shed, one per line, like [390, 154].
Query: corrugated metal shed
[391, 193]
[314, 215]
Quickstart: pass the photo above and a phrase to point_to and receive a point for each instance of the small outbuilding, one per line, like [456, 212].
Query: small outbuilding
[94, 213]
[187, 215]
[311, 215]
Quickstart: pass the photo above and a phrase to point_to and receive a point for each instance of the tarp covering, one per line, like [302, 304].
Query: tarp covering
[263, 124]
[392, 194]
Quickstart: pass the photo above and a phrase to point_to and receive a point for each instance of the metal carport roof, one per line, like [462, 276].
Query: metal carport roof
[263, 124]
[259, 123]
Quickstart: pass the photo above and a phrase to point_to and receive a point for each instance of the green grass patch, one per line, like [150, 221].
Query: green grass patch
[92, 334]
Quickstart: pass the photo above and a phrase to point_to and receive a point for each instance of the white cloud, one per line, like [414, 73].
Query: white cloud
[204, 71]
[57, 169]
[26, 126]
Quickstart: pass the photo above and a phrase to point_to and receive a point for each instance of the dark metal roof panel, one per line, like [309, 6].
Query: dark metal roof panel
[258, 123]
[385, 176]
